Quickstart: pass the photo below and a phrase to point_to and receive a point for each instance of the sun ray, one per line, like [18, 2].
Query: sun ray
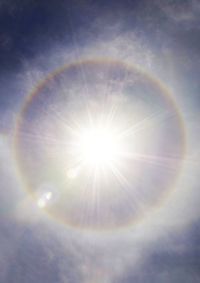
[134, 200]
[144, 123]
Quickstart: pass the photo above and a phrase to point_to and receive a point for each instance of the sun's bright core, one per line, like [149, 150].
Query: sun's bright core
[98, 146]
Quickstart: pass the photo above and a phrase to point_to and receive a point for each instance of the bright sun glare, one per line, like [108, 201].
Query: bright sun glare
[98, 146]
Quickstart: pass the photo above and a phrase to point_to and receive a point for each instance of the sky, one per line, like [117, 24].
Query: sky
[141, 58]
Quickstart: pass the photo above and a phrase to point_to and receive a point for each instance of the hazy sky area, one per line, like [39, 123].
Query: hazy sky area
[161, 39]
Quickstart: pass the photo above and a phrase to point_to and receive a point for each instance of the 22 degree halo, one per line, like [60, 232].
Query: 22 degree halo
[99, 143]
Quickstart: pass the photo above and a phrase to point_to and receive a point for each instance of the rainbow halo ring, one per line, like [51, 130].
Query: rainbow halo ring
[99, 143]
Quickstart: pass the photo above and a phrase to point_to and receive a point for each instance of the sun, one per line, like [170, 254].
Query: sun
[98, 146]
[94, 147]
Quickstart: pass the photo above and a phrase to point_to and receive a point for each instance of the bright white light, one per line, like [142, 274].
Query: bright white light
[98, 146]
[43, 200]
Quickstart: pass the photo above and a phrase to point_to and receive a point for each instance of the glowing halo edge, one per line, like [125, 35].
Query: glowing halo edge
[164, 92]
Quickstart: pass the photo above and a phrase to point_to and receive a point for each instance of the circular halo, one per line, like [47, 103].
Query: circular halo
[142, 112]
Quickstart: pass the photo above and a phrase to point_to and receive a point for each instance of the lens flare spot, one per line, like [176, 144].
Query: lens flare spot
[44, 199]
